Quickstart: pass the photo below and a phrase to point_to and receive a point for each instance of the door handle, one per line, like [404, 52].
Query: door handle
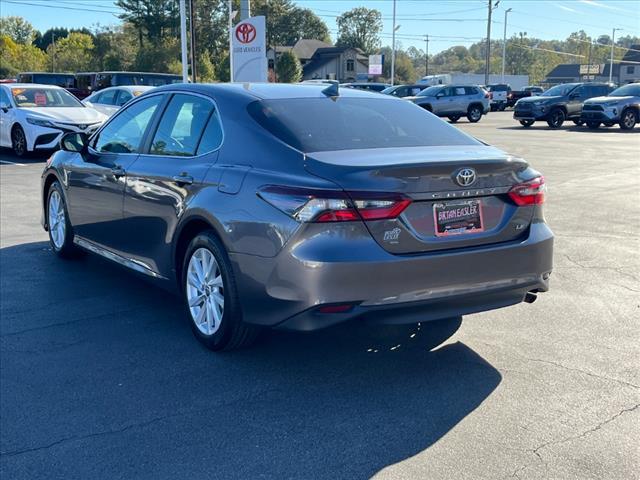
[118, 171]
[183, 179]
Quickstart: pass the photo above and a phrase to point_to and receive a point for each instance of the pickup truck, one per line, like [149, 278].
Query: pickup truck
[514, 95]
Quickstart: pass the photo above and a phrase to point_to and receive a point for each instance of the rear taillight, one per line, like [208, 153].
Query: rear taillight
[529, 193]
[311, 205]
[489, 95]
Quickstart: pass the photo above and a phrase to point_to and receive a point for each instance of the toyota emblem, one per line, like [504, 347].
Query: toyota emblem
[245, 33]
[466, 177]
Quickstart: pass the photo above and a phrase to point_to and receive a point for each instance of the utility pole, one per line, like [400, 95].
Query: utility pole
[192, 29]
[245, 9]
[504, 42]
[53, 52]
[183, 41]
[487, 65]
[393, 45]
[589, 63]
[613, 43]
[426, 57]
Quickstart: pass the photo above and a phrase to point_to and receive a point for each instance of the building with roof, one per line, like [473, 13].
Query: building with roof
[321, 60]
[625, 71]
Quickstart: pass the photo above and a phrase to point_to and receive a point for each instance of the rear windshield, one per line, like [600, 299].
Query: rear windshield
[325, 124]
[498, 88]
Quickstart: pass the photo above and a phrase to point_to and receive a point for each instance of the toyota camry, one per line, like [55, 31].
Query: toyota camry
[300, 207]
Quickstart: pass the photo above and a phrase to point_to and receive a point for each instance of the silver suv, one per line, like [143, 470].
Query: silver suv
[622, 106]
[454, 101]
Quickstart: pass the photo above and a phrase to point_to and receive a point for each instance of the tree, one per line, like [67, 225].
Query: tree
[162, 56]
[206, 70]
[73, 53]
[360, 28]
[288, 68]
[288, 23]
[18, 57]
[18, 29]
[152, 18]
[42, 41]
[116, 48]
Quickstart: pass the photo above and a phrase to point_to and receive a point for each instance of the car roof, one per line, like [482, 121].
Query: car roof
[127, 87]
[267, 91]
[32, 85]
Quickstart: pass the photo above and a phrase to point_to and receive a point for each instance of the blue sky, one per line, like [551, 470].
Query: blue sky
[448, 22]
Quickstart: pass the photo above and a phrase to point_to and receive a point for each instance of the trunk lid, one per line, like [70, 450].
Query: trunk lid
[427, 175]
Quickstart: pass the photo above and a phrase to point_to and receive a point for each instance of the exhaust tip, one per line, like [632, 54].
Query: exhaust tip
[530, 297]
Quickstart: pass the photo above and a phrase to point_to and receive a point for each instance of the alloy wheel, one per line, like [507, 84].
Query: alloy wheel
[629, 120]
[205, 291]
[57, 220]
[475, 114]
[19, 142]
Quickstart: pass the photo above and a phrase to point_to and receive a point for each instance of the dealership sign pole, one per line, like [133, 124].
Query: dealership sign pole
[248, 51]
[183, 41]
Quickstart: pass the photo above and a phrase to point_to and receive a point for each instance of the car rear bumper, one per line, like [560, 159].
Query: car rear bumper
[348, 268]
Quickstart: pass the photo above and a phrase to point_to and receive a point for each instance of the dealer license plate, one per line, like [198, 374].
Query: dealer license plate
[458, 217]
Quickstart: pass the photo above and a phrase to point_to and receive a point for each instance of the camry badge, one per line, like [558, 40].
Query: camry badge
[466, 177]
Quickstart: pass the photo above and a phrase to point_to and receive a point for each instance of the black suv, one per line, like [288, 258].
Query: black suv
[559, 103]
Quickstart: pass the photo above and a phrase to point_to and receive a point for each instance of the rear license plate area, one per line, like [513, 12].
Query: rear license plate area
[457, 217]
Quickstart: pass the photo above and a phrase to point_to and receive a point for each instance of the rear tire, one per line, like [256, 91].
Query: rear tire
[579, 123]
[628, 119]
[19, 141]
[556, 118]
[58, 224]
[454, 118]
[211, 296]
[593, 125]
[527, 123]
[474, 114]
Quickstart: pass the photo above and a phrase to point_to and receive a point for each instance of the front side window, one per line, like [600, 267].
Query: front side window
[43, 97]
[124, 133]
[4, 98]
[430, 92]
[108, 97]
[123, 98]
[181, 126]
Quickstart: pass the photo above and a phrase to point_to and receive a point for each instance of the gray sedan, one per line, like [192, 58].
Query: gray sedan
[300, 207]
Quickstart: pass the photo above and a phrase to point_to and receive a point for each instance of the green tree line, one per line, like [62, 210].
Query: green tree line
[147, 39]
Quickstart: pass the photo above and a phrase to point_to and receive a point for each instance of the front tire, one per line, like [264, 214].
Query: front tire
[556, 118]
[579, 123]
[474, 114]
[211, 296]
[593, 125]
[59, 227]
[527, 123]
[18, 141]
[454, 118]
[628, 119]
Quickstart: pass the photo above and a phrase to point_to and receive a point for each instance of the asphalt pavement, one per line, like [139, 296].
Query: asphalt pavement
[100, 376]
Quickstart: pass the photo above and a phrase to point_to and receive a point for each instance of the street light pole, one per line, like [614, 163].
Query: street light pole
[487, 65]
[504, 42]
[393, 45]
[192, 31]
[183, 41]
[613, 42]
[426, 58]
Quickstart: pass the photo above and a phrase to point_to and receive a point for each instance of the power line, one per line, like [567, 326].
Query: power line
[59, 7]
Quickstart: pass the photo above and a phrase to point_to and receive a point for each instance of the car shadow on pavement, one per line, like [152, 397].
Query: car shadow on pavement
[101, 377]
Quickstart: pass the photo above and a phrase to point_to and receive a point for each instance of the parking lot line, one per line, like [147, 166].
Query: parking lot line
[13, 163]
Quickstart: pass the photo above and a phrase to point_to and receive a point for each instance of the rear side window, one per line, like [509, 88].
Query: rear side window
[460, 91]
[212, 136]
[108, 97]
[325, 124]
[123, 97]
[181, 126]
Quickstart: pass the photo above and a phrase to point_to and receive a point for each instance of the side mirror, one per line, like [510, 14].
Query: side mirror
[74, 142]
[4, 107]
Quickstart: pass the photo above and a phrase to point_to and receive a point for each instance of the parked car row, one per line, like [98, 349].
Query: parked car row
[592, 104]
[83, 84]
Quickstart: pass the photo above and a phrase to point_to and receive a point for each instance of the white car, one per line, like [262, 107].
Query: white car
[34, 117]
[109, 100]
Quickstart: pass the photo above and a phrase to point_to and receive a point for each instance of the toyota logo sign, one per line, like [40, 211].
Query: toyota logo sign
[466, 177]
[245, 33]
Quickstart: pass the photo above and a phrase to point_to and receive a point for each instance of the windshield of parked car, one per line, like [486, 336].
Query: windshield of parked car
[631, 90]
[43, 97]
[559, 90]
[326, 124]
[389, 90]
[429, 92]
